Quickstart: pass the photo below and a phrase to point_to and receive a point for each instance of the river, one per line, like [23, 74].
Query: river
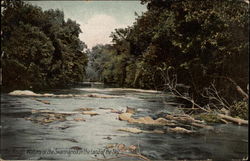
[24, 139]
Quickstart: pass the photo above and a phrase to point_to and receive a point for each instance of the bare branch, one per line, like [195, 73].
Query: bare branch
[238, 88]
[215, 99]
[171, 86]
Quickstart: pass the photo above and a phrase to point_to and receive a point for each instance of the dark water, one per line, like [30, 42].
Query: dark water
[23, 139]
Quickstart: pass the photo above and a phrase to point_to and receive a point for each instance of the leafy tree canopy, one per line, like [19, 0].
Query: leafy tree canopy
[39, 48]
[199, 41]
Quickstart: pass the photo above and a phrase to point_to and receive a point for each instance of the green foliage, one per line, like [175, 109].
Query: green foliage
[201, 42]
[98, 57]
[240, 109]
[208, 117]
[40, 49]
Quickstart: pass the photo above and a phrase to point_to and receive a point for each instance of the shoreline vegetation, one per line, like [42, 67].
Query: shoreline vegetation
[196, 51]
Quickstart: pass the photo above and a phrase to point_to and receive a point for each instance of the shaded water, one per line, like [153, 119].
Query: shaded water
[23, 139]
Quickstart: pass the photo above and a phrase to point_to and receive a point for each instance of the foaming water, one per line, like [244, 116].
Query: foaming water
[118, 89]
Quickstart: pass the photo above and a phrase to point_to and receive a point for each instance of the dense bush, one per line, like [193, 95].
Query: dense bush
[39, 48]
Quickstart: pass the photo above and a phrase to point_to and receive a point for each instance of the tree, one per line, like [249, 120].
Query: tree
[39, 48]
[200, 42]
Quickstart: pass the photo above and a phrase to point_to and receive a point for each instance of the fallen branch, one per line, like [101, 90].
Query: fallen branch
[189, 120]
[235, 120]
[238, 88]
[201, 125]
[183, 118]
[189, 109]
[224, 121]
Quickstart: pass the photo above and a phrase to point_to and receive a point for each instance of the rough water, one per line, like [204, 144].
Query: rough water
[24, 139]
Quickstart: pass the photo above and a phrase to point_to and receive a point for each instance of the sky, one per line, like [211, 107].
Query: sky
[97, 19]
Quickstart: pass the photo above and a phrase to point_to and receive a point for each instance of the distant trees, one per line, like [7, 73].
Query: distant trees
[39, 48]
[199, 41]
[98, 57]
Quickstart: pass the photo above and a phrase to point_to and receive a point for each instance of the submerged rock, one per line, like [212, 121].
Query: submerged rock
[30, 93]
[125, 116]
[142, 120]
[109, 146]
[71, 140]
[132, 148]
[155, 131]
[116, 111]
[48, 116]
[180, 130]
[100, 96]
[42, 101]
[130, 110]
[79, 119]
[90, 113]
[42, 111]
[108, 138]
[145, 120]
[121, 147]
[119, 89]
[84, 109]
[76, 148]
[137, 131]
[105, 108]
[23, 93]
[131, 130]
[64, 127]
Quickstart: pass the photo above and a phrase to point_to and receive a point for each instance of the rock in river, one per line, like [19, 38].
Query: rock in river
[90, 113]
[130, 129]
